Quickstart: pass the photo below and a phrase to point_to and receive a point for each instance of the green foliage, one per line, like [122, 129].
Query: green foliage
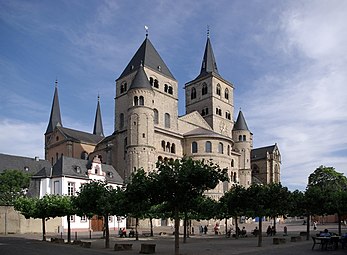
[13, 184]
[233, 203]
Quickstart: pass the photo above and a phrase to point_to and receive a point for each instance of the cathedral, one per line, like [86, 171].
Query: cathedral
[147, 127]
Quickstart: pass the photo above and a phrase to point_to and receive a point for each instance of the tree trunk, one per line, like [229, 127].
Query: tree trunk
[107, 232]
[136, 225]
[260, 236]
[177, 229]
[236, 228]
[308, 227]
[339, 220]
[68, 229]
[226, 226]
[275, 224]
[185, 228]
[43, 229]
[151, 224]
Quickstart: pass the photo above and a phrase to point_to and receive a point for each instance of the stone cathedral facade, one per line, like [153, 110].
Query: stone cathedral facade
[147, 127]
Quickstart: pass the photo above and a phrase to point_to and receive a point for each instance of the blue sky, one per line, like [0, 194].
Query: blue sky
[286, 59]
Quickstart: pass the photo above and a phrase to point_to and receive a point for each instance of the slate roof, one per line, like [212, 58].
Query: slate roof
[148, 57]
[77, 168]
[204, 133]
[25, 164]
[98, 128]
[261, 153]
[55, 117]
[209, 64]
[80, 136]
[140, 80]
[240, 122]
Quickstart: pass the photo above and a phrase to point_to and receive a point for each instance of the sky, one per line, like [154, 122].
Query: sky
[286, 59]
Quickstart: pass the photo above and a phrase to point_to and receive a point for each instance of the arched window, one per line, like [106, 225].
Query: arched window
[136, 100]
[142, 100]
[220, 148]
[208, 146]
[163, 145]
[235, 178]
[167, 120]
[156, 116]
[226, 94]
[204, 89]
[240, 138]
[123, 87]
[121, 120]
[194, 147]
[193, 93]
[156, 83]
[219, 111]
[170, 90]
[151, 81]
[227, 115]
[244, 137]
[232, 163]
[218, 89]
[167, 147]
[173, 148]
[166, 88]
[228, 150]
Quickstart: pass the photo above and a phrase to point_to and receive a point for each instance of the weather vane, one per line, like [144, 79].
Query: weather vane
[146, 28]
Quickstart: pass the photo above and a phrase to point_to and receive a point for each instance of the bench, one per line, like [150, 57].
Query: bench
[147, 248]
[77, 242]
[295, 238]
[146, 233]
[123, 246]
[57, 240]
[303, 233]
[278, 240]
[86, 244]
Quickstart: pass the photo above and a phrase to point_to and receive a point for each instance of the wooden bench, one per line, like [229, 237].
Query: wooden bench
[77, 242]
[123, 246]
[86, 244]
[278, 240]
[295, 238]
[57, 240]
[147, 248]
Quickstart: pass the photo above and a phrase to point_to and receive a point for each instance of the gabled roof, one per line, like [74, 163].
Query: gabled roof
[140, 80]
[261, 153]
[98, 129]
[25, 164]
[80, 136]
[78, 168]
[240, 123]
[148, 57]
[55, 117]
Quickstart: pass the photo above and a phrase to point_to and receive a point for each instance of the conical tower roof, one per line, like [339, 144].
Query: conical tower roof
[240, 122]
[140, 80]
[55, 117]
[209, 64]
[148, 57]
[98, 129]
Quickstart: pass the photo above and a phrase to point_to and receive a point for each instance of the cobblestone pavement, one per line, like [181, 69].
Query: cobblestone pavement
[205, 244]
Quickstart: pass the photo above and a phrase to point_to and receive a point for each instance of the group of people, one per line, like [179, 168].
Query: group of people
[271, 231]
[123, 232]
[203, 230]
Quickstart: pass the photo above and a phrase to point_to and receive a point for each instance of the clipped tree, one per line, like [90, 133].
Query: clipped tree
[13, 184]
[96, 198]
[179, 182]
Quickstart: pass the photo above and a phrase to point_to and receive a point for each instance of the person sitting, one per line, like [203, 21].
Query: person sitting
[132, 233]
[273, 231]
[268, 231]
[124, 232]
[325, 233]
[243, 232]
[255, 231]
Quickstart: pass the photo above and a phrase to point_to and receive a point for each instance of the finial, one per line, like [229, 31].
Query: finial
[56, 83]
[146, 28]
[98, 97]
[208, 31]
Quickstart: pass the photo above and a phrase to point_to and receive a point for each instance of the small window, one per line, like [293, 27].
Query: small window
[143, 135]
[109, 174]
[151, 81]
[244, 138]
[218, 90]
[194, 147]
[167, 147]
[72, 218]
[167, 120]
[193, 93]
[83, 218]
[173, 148]
[136, 100]
[220, 148]
[204, 89]
[166, 88]
[240, 138]
[156, 83]
[142, 101]
[208, 147]
[70, 188]
[170, 90]
[226, 94]
[163, 145]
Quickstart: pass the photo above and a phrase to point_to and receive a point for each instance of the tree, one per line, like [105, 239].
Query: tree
[179, 182]
[325, 190]
[13, 184]
[96, 198]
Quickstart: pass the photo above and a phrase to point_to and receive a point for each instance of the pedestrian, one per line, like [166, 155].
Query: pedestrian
[205, 230]
[314, 225]
[285, 231]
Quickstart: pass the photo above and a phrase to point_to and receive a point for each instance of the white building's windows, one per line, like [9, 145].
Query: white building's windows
[220, 148]
[208, 146]
[194, 147]
[83, 218]
[72, 218]
[167, 120]
[56, 188]
[70, 188]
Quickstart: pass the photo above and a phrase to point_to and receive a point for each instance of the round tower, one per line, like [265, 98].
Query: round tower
[140, 118]
[243, 139]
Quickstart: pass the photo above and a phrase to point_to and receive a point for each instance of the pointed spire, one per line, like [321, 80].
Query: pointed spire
[98, 129]
[240, 122]
[209, 64]
[140, 80]
[150, 58]
[55, 117]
